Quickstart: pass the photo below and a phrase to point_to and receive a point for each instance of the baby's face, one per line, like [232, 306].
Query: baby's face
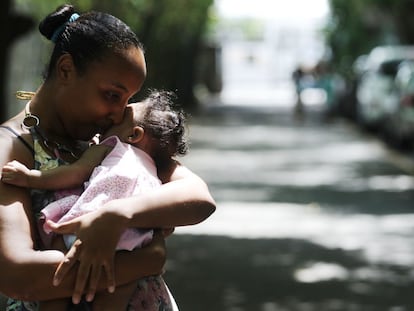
[124, 129]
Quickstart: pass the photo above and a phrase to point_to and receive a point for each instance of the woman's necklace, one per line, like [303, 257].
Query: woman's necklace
[31, 123]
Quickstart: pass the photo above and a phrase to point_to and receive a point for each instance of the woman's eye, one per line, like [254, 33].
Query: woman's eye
[112, 96]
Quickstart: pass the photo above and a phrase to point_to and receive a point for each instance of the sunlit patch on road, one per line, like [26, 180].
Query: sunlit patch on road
[379, 238]
[321, 271]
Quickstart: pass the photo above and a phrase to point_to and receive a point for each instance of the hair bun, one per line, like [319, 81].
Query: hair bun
[51, 23]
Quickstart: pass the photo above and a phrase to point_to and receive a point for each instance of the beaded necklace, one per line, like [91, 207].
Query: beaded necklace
[31, 123]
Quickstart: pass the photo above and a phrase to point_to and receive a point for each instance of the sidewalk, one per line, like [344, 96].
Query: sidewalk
[311, 216]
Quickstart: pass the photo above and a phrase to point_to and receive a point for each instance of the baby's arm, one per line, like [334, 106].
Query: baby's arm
[64, 176]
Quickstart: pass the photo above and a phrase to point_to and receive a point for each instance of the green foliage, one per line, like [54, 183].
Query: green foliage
[350, 32]
[357, 26]
[38, 9]
[171, 31]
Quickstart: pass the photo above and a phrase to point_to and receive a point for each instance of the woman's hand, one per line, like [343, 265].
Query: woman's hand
[97, 236]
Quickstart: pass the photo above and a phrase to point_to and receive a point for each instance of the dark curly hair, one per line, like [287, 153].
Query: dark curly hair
[164, 121]
[88, 38]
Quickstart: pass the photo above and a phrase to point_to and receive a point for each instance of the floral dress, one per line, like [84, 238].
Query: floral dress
[151, 294]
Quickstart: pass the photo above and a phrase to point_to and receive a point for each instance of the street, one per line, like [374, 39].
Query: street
[312, 214]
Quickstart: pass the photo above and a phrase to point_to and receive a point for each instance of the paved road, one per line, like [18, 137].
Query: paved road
[312, 214]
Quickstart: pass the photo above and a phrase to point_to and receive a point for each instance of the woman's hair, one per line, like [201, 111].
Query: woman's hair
[86, 38]
[164, 121]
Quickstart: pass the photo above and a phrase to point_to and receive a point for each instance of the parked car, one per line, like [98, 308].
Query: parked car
[399, 126]
[376, 92]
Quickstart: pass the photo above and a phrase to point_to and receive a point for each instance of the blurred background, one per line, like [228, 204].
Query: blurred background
[302, 121]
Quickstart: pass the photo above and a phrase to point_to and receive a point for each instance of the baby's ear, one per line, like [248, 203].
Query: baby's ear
[137, 135]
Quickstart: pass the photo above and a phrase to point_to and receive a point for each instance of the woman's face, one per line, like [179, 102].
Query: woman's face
[96, 100]
[126, 128]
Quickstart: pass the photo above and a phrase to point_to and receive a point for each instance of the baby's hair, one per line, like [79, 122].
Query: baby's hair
[164, 121]
[87, 38]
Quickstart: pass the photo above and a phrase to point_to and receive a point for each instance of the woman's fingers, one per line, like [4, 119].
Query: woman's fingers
[91, 251]
[93, 282]
[69, 261]
[110, 275]
[63, 228]
[80, 285]
[88, 274]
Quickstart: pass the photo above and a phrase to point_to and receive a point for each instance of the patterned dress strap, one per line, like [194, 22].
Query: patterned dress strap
[19, 137]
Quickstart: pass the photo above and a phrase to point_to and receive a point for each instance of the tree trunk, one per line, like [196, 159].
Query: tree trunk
[14, 25]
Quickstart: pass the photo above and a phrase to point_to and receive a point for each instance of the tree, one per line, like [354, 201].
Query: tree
[171, 31]
[17, 25]
[357, 26]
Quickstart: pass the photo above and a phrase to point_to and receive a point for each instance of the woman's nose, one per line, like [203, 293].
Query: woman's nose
[117, 114]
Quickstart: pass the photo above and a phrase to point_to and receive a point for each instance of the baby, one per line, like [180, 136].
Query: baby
[123, 164]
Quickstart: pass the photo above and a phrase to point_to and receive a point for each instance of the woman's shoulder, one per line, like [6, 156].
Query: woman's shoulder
[13, 128]
[10, 128]
[15, 144]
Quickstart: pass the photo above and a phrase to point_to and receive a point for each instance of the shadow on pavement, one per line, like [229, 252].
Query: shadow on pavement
[221, 273]
[264, 154]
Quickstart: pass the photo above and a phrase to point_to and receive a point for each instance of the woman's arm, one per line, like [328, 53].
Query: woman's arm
[184, 200]
[27, 273]
[23, 268]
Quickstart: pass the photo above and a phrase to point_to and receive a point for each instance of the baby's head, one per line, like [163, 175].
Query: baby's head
[163, 123]
[155, 125]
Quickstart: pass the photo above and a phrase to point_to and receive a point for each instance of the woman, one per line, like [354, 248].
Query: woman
[96, 66]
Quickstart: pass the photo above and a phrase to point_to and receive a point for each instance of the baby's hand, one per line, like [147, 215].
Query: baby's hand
[15, 173]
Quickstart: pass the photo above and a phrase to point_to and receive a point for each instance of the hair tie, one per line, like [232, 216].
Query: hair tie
[59, 31]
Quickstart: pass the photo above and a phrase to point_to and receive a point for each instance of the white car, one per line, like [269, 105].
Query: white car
[399, 128]
[377, 95]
